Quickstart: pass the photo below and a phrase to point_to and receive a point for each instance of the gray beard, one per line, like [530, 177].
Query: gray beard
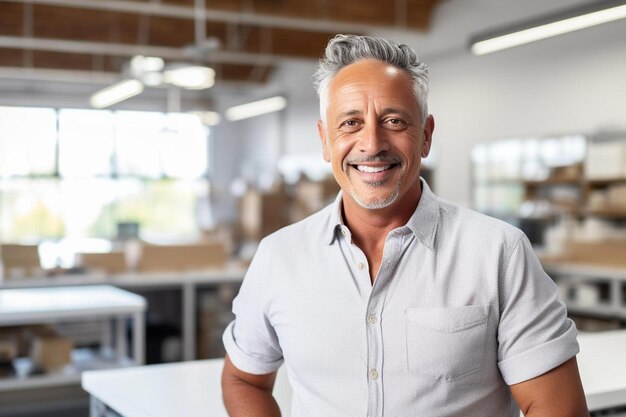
[378, 204]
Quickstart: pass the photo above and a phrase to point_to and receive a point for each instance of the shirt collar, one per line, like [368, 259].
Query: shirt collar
[423, 222]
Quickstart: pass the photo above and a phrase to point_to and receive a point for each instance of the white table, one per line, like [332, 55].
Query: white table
[602, 364]
[188, 282]
[59, 304]
[192, 389]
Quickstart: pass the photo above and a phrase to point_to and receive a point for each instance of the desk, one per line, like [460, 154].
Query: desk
[193, 389]
[57, 304]
[187, 282]
[602, 365]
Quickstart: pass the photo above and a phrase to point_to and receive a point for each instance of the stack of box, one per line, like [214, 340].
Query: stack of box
[177, 258]
[20, 261]
[606, 160]
[616, 196]
[109, 262]
[51, 352]
[311, 196]
[262, 213]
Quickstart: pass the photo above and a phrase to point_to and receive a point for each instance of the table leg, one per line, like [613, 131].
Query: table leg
[189, 322]
[120, 337]
[96, 407]
[139, 339]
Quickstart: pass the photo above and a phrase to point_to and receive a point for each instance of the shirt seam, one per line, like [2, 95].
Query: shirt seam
[510, 249]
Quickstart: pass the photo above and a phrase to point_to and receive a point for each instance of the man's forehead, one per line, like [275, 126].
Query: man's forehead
[367, 75]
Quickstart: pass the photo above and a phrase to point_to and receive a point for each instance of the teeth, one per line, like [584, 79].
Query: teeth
[365, 168]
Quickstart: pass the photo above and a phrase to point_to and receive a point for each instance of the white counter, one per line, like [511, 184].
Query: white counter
[192, 389]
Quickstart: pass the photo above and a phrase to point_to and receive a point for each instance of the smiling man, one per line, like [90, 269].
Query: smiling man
[392, 302]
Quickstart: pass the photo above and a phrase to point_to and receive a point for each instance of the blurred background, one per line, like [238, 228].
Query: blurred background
[150, 145]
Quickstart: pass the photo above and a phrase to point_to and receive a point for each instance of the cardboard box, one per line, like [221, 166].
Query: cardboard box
[261, 214]
[191, 257]
[311, 196]
[51, 353]
[605, 160]
[566, 173]
[110, 262]
[8, 348]
[606, 253]
[20, 261]
[616, 195]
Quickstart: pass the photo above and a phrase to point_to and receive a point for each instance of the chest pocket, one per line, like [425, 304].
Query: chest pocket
[446, 342]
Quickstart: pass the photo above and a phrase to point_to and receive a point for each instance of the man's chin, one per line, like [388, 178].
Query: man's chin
[374, 202]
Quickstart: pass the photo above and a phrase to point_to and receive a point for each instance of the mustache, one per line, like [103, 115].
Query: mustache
[384, 158]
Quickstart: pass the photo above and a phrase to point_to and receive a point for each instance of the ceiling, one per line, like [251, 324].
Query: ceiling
[242, 39]
[78, 44]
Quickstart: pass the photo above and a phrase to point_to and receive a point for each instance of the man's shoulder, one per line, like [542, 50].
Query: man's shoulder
[472, 222]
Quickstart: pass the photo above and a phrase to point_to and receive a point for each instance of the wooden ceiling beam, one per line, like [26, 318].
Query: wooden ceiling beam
[346, 16]
[107, 64]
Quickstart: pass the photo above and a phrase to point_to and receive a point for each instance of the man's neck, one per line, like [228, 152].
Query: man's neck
[369, 228]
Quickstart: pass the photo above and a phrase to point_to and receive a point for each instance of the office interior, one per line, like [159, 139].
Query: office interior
[127, 222]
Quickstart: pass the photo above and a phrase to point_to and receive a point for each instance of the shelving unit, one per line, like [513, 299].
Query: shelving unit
[83, 359]
[26, 306]
[574, 182]
[608, 302]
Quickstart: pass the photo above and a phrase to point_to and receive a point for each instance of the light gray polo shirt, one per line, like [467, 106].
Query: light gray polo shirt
[460, 309]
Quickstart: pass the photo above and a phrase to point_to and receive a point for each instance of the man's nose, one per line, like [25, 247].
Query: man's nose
[373, 140]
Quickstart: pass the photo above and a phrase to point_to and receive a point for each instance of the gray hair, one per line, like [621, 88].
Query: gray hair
[343, 50]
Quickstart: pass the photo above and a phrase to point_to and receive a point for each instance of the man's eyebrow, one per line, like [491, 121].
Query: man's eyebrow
[401, 112]
[347, 113]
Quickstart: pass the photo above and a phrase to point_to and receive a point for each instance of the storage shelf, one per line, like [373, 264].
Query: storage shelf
[599, 310]
[83, 359]
[602, 182]
[552, 181]
[610, 212]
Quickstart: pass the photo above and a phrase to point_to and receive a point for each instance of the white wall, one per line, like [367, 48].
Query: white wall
[572, 83]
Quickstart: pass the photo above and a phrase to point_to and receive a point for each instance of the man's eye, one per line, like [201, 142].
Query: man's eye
[394, 122]
[350, 124]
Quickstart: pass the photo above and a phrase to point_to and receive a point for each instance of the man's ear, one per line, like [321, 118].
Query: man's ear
[428, 130]
[321, 131]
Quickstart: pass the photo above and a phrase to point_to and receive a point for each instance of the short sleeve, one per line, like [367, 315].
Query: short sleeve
[250, 339]
[534, 333]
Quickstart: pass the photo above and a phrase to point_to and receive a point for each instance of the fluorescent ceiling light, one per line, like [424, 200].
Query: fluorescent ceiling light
[565, 23]
[115, 93]
[209, 118]
[152, 79]
[256, 108]
[141, 64]
[190, 77]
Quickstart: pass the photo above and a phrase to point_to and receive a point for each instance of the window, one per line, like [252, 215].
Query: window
[27, 141]
[76, 174]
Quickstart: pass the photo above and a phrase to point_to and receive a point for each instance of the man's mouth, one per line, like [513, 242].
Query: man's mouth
[373, 169]
[366, 168]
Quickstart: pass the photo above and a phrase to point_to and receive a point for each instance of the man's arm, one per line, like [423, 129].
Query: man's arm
[248, 395]
[557, 393]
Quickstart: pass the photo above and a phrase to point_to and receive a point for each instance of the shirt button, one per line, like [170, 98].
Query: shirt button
[373, 374]
[371, 319]
[343, 232]
[361, 265]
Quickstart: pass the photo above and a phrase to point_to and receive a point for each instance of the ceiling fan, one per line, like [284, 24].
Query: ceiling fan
[147, 71]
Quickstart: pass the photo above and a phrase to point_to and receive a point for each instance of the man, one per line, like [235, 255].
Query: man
[391, 302]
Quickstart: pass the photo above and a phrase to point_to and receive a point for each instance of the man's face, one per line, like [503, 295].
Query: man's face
[375, 138]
